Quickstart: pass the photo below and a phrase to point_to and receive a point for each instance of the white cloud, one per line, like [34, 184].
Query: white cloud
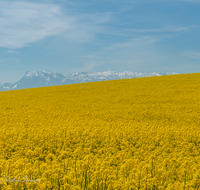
[86, 26]
[136, 54]
[163, 29]
[194, 55]
[12, 52]
[22, 23]
[143, 41]
[90, 64]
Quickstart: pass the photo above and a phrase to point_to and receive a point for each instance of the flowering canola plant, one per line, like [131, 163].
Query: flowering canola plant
[129, 134]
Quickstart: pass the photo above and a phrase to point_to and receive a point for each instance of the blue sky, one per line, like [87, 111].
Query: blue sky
[99, 35]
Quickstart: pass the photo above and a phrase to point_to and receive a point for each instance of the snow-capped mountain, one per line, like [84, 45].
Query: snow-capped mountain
[33, 79]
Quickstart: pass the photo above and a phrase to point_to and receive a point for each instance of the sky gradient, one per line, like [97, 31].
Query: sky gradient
[98, 35]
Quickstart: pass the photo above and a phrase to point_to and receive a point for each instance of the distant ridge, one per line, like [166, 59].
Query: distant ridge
[34, 79]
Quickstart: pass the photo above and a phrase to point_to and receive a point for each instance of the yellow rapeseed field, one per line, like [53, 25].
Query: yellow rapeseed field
[129, 134]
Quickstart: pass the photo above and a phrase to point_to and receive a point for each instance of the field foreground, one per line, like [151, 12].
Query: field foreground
[141, 133]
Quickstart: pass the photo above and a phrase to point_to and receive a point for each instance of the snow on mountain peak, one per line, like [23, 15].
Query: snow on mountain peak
[42, 74]
[33, 79]
[31, 74]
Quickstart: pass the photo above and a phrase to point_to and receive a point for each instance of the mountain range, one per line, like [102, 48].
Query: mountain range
[34, 79]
